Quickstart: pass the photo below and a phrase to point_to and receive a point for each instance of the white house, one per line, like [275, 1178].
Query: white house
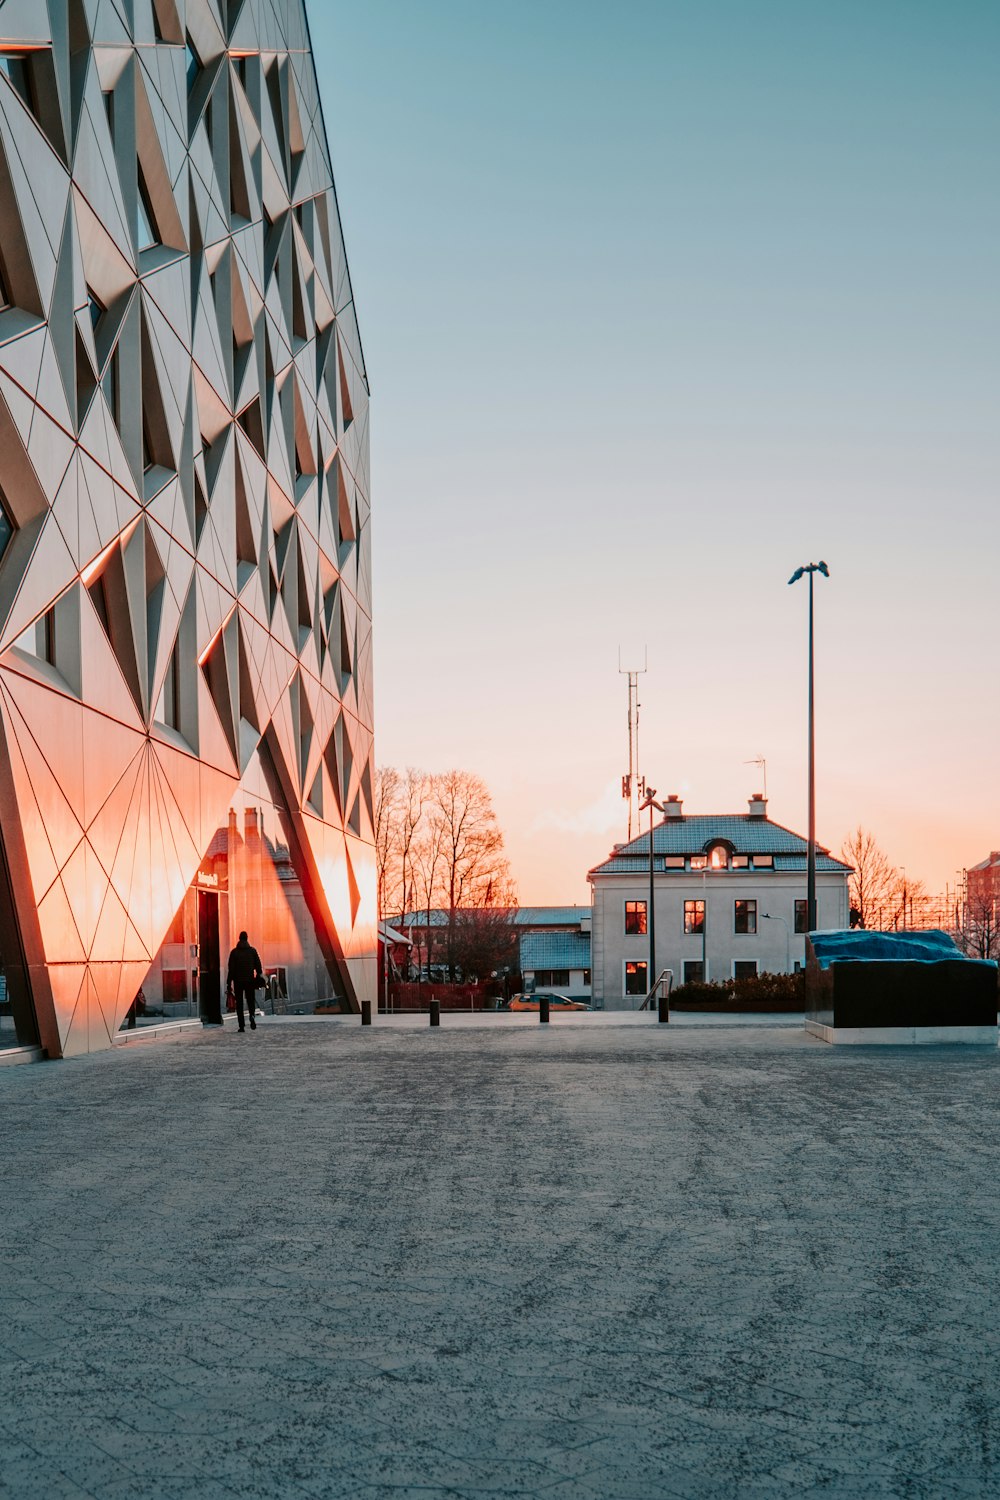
[730, 902]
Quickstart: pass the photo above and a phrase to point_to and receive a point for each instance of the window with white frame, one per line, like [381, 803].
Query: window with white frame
[635, 918]
[635, 978]
[745, 916]
[694, 916]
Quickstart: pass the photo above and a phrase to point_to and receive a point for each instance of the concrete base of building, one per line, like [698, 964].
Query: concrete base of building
[11, 1056]
[164, 1033]
[905, 1036]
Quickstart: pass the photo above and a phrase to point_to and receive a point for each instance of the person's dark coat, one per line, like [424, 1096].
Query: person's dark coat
[244, 965]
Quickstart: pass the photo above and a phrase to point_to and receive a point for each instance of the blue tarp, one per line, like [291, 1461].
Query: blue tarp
[860, 946]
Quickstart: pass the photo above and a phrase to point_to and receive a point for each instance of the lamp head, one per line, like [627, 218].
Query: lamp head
[823, 569]
[796, 575]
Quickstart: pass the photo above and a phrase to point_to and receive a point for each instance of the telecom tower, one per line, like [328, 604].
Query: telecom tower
[633, 785]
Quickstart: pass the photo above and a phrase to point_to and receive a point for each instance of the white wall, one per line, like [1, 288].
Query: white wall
[774, 891]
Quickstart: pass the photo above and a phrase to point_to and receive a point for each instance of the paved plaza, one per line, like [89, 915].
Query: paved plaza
[600, 1259]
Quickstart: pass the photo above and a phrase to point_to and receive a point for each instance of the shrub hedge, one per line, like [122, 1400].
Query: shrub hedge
[765, 992]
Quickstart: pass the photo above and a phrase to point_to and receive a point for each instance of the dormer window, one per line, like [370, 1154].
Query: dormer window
[718, 857]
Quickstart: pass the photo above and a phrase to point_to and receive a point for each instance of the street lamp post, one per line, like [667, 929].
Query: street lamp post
[651, 802]
[766, 915]
[811, 568]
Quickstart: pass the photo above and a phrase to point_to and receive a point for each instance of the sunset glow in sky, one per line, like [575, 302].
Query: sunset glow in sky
[660, 301]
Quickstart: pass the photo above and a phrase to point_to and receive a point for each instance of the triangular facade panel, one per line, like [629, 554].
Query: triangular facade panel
[179, 360]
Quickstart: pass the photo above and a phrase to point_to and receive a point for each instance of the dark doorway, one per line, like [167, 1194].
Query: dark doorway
[209, 972]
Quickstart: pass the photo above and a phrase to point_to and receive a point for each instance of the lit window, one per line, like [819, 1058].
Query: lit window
[741, 861]
[718, 857]
[635, 979]
[673, 862]
[635, 918]
[698, 862]
[694, 916]
[745, 916]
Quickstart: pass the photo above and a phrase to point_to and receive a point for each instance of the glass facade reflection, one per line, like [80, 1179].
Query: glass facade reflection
[246, 881]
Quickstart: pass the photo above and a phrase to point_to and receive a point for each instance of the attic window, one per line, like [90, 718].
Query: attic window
[718, 857]
[698, 861]
[763, 861]
[741, 861]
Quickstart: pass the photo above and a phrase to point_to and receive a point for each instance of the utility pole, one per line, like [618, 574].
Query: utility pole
[633, 785]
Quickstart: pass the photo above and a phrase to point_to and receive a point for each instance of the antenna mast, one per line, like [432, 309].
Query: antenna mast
[758, 760]
[633, 785]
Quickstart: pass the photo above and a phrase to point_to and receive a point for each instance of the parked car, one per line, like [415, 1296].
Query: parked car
[556, 1002]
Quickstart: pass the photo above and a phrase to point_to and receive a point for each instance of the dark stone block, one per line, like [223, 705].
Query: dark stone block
[950, 990]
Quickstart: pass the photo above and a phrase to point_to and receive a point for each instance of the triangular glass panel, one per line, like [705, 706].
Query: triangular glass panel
[145, 233]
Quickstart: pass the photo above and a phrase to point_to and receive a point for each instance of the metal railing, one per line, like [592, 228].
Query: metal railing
[665, 974]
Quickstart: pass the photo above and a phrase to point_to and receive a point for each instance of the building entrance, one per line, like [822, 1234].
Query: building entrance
[209, 966]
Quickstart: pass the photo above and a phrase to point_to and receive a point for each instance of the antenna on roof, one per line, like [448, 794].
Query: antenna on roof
[633, 785]
[758, 760]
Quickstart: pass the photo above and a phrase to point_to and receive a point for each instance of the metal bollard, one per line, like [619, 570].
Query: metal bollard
[435, 1012]
[543, 1009]
[366, 1013]
[663, 1007]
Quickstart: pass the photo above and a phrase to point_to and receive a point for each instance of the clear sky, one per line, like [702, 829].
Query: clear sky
[659, 301]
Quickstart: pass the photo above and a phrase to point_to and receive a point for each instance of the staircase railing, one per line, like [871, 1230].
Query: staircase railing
[665, 974]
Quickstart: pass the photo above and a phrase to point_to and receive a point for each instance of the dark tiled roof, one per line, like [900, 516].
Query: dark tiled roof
[555, 950]
[523, 916]
[694, 835]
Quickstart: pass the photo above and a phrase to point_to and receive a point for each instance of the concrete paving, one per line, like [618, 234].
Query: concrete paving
[595, 1260]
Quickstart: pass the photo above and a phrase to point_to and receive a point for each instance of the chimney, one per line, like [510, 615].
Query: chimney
[758, 806]
[673, 808]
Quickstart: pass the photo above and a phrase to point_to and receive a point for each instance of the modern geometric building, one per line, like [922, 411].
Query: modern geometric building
[185, 578]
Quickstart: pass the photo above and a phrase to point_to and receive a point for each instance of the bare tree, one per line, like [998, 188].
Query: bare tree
[475, 869]
[427, 864]
[881, 896]
[438, 845]
[388, 785]
[414, 797]
[485, 939]
[979, 925]
[872, 882]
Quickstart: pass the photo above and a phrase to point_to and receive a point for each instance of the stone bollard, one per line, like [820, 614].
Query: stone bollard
[366, 1013]
[543, 1009]
[435, 1012]
[663, 1007]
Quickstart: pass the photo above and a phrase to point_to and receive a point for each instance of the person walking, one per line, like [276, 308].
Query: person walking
[245, 971]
